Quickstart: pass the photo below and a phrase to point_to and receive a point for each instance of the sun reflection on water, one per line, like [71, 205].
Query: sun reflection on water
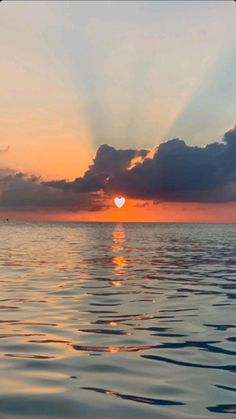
[119, 261]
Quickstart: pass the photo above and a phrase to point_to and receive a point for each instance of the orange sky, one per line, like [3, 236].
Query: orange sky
[131, 77]
[164, 212]
[130, 212]
[70, 82]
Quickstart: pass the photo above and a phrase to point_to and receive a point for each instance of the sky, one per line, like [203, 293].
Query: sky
[131, 75]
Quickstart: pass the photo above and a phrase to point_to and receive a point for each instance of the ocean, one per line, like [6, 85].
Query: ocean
[116, 321]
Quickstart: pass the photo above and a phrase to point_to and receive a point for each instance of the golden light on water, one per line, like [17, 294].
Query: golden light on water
[116, 283]
[119, 261]
[117, 248]
[119, 235]
[114, 349]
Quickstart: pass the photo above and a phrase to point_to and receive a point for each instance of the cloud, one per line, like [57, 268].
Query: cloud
[21, 192]
[175, 172]
[172, 172]
[108, 162]
[141, 204]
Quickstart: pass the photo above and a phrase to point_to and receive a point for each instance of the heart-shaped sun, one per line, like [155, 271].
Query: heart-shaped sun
[119, 202]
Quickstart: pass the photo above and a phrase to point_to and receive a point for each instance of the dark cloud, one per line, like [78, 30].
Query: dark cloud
[108, 162]
[142, 204]
[176, 172]
[19, 192]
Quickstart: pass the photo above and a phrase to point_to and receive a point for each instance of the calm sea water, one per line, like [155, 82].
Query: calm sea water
[112, 321]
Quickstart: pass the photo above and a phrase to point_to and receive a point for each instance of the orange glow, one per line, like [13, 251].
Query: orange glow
[58, 161]
[118, 236]
[172, 212]
[119, 261]
[44, 121]
[113, 324]
[151, 153]
[117, 248]
[116, 283]
[134, 161]
[140, 159]
[114, 349]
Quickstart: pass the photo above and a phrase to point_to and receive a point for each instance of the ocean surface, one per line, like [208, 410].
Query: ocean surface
[116, 321]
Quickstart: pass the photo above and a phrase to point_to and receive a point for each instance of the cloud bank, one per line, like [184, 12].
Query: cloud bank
[174, 172]
[21, 192]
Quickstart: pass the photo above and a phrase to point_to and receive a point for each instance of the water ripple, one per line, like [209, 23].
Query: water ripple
[143, 313]
[137, 399]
